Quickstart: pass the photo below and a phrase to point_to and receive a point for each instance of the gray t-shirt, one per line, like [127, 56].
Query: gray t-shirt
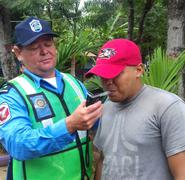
[137, 137]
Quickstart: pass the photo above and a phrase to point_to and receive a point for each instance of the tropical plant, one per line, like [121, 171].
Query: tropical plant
[74, 49]
[93, 84]
[164, 72]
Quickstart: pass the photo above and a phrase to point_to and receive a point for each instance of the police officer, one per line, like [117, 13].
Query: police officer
[43, 116]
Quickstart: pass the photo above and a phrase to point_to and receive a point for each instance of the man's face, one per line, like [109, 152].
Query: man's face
[39, 57]
[124, 86]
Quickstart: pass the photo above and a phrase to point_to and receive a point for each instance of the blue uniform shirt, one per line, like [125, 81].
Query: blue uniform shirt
[16, 133]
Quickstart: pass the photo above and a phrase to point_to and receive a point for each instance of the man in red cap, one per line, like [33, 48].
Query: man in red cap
[142, 131]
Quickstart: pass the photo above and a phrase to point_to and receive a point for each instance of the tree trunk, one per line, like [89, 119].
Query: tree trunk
[176, 34]
[176, 27]
[73, 65]
[147, 7]
[130, 19]
[8, 64]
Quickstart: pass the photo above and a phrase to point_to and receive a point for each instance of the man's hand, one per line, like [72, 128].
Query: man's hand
[83, 117]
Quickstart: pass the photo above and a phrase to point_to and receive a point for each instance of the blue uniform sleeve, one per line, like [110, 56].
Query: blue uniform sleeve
[16, 133]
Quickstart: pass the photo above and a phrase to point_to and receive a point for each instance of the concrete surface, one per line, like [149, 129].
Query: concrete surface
[3, 165]
[3, 171]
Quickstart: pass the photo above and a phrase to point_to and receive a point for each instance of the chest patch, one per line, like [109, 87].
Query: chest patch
[41, 106]
[4, 113]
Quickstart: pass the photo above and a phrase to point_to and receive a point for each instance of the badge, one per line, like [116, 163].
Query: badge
[35, 25]
[41, 106]
[4, 113]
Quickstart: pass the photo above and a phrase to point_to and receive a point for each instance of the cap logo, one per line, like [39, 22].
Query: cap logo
[107, 53]
[35, 25]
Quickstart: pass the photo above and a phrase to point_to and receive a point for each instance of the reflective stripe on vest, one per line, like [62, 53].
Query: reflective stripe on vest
[75, 87]
[79, 94]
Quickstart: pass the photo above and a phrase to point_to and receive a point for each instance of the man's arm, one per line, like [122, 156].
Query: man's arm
[23, 142]
[177, 165]
[99, 166]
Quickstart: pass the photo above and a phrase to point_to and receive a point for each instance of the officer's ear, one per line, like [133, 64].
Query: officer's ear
[17, 51]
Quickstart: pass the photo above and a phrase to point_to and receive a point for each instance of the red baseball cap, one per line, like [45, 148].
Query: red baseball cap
[114, 56]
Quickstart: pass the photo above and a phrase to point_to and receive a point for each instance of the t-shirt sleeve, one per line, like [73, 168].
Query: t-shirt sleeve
[173, 128]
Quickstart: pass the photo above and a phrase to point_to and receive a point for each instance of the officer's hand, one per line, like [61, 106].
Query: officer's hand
[83, 117]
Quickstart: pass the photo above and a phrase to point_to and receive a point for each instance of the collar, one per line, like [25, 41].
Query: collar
[38, 80]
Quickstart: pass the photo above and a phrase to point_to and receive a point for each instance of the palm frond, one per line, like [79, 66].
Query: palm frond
[163, 72]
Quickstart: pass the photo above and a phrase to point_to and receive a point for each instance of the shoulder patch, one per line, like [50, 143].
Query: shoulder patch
[5, 89]
[4, 113]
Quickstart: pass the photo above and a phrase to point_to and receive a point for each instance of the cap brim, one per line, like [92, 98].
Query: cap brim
[107, 71]
[36, 37]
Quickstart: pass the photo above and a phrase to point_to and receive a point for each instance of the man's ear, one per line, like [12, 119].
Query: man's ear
[140, 69]
[17, 51]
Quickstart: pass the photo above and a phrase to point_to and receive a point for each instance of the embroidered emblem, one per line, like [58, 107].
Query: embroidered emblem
[107, 53]
[40, 103]
[4, 113]
[35, 26]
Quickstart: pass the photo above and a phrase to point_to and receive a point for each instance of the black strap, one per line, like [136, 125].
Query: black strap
[24, 169]
[10, 169]
[87, 150]
[84, 174]
[79, 144]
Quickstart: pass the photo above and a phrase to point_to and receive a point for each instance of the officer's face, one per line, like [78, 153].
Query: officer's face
[39, 57]
[126, 85]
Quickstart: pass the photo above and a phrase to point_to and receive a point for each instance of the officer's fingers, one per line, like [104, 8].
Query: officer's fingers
[94, 107]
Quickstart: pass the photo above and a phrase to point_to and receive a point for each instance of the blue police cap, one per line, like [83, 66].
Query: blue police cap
[30, 29]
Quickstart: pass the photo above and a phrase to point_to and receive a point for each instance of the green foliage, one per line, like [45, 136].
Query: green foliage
[99, 12]
[93, 84]
[155, 33]
[164, 72]
[27, 7]
[106, 17]
[67, 9]
[74, 49]
[2, 80]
